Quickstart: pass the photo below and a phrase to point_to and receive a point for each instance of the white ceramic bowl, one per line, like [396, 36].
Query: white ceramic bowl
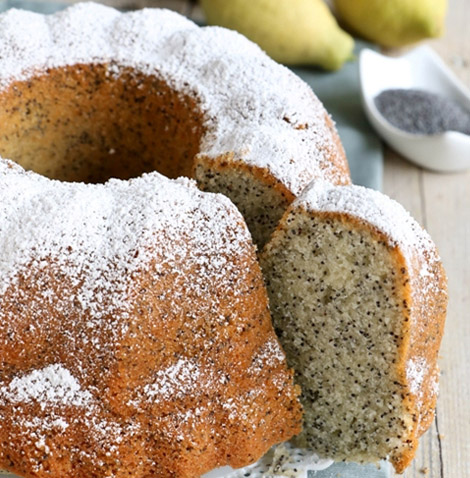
[422, 68]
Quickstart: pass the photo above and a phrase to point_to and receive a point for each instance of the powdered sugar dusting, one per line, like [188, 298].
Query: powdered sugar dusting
[270, 353]
[240, 89]
[100, 235]
[179, 378]
[56, 390]
[386, 215]
[51, 385]
[416, 370]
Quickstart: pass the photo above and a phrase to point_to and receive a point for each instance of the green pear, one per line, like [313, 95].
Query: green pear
[393, 23]
[294, 32]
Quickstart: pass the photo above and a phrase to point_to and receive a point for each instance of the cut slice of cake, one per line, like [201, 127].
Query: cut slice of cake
[358, 297]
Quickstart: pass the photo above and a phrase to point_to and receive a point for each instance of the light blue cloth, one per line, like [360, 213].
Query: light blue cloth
[40, 7]
[340, 94]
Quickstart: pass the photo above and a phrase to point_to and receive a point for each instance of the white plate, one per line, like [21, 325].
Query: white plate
[422, 68]
[279, 461]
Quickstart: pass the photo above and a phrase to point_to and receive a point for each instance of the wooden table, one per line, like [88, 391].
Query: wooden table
[441, 203]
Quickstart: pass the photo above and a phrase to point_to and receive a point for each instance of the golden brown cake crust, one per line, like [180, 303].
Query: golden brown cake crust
[75, 123]
[140, 345]
[337, 156]
[426, 302]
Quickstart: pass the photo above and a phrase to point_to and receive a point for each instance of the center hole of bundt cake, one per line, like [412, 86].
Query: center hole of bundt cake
[90, 123]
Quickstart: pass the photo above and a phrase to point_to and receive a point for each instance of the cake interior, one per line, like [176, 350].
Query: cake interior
[89, 123]
[336, 309]
[261, 206]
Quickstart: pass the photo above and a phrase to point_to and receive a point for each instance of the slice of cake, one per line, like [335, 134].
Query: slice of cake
[358, 296]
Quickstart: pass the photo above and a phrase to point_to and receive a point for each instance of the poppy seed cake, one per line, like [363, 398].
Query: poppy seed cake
[358, 298]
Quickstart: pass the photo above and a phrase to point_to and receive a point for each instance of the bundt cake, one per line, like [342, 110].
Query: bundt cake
[358, 298]
[90, 93]
[135, 334]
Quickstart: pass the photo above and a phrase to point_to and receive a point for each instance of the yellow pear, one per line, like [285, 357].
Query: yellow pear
[294, 32]
[393, 23]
